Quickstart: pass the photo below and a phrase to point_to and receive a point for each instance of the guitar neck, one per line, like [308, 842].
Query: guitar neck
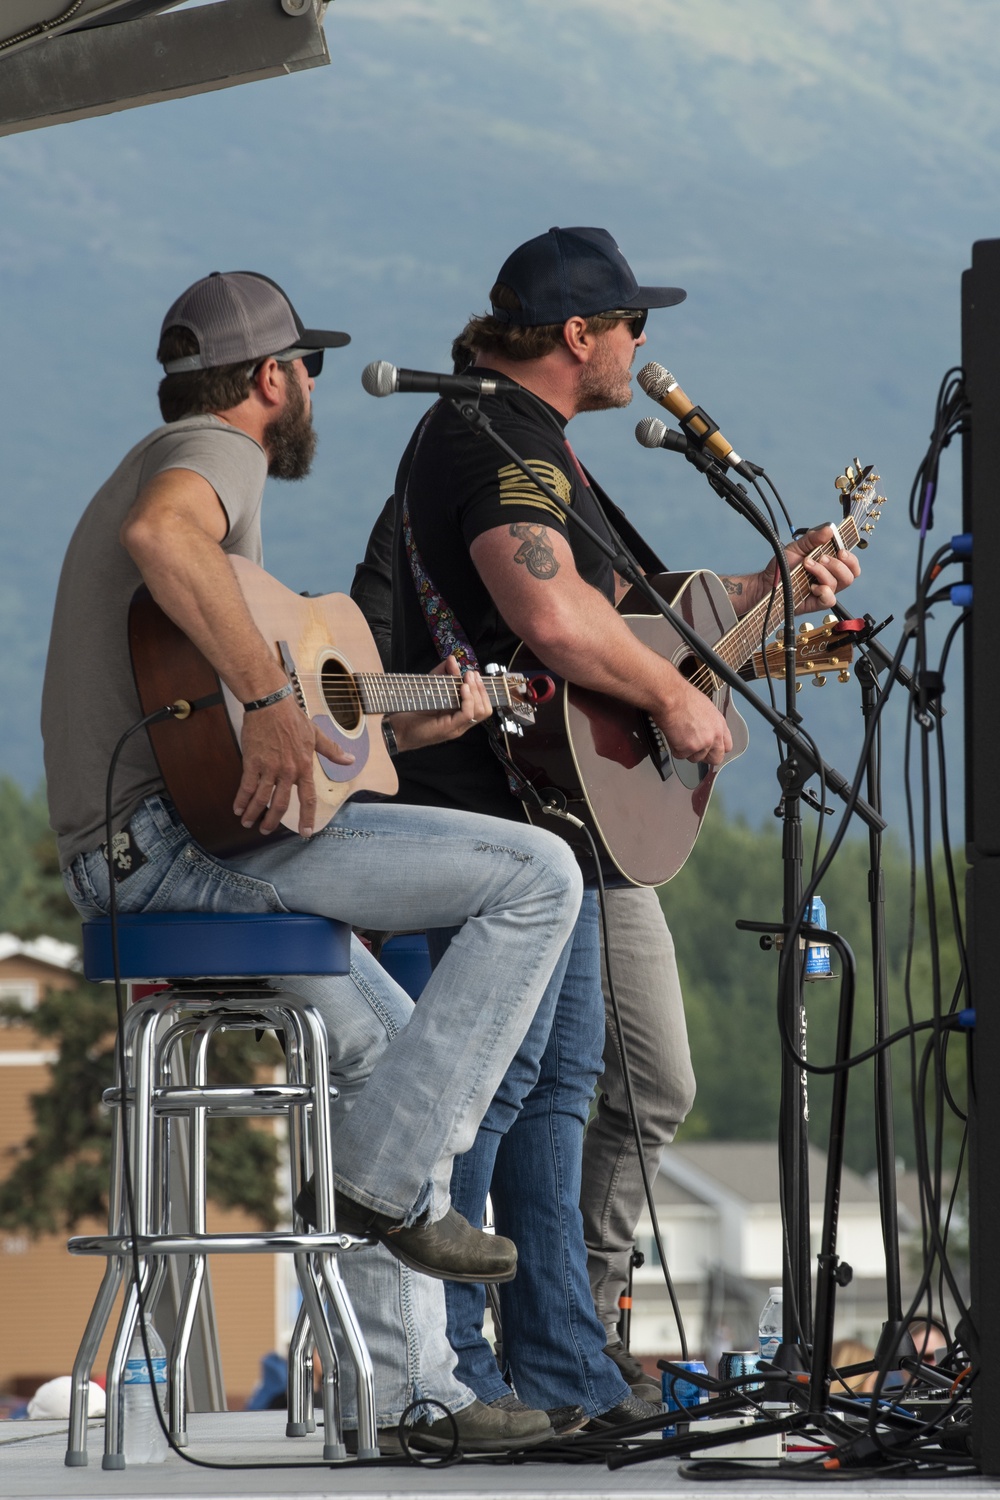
[738, 645]
[403, 692]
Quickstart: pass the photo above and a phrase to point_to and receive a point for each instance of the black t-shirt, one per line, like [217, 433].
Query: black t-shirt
[457, 485]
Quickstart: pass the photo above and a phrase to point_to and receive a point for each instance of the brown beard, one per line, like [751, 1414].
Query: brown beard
[604, 385]
[290, 438]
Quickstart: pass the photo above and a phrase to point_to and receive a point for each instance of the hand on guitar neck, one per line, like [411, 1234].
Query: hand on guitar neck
[829, 571]
[415, 730]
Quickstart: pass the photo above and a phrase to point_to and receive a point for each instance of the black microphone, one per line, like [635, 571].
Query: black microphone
[652, 433]
[663, 388]
[380, 378]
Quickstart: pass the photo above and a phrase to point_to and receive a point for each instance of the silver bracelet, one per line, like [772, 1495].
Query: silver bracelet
[389, 735]
[276, 697]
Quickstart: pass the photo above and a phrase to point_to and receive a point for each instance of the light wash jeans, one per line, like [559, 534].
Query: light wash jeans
[527, 1155]
[652, 1012]
[407, 1109]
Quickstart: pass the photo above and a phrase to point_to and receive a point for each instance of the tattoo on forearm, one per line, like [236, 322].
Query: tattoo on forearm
[732, 585]
[535, 552]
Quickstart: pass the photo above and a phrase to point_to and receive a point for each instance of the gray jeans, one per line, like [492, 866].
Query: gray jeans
[656, 1043]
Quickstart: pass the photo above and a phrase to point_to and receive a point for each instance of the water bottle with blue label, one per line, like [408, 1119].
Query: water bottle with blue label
[769, 1328]
[144, 1442]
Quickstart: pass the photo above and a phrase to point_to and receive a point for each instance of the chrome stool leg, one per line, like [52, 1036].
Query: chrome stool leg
[300, 1367]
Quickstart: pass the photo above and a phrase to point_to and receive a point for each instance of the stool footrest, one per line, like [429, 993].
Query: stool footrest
[262, 1099]
[265, 1243]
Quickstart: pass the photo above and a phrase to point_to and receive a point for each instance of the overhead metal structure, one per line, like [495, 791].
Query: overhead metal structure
[64, 60]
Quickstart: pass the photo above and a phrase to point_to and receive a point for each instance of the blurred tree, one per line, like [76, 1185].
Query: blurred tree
[32, 899]
[730, 985]
[60, 1173]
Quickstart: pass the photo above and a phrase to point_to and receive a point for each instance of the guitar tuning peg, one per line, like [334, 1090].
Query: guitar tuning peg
[798, 687]
[830, 620]
[805, 629]
[843, 675]
[819, 680]
[842, 483]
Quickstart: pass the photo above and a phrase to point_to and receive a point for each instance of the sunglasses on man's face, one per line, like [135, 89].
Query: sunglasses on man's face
[635, 320]
[313, 361]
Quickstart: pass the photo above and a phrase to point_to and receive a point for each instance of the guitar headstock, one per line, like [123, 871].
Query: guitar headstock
[825, 648]
[858, 486]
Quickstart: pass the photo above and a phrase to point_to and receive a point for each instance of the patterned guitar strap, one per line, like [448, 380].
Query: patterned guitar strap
[447, 634]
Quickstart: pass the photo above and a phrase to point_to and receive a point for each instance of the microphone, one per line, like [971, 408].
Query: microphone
[380, 378]
[659, 384]
[652, 433]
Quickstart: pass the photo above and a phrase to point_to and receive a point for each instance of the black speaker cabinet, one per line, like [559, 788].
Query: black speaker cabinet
[981, 512]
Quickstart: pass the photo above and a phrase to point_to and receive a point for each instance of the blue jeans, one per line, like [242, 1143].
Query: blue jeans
[407, 1109]
[528, 1155]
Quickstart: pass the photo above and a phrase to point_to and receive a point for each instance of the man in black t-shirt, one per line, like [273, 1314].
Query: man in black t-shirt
[567, 318]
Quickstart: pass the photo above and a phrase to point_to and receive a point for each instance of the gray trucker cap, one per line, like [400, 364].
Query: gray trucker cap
[241, 315]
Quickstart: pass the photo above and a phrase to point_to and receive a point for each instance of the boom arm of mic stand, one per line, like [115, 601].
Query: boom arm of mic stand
[629, 569]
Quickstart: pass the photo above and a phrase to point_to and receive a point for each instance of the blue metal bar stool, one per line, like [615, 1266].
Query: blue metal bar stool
[213, 963]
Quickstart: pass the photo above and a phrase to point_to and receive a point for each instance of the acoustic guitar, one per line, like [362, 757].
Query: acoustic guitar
[326, 648]
[609, 765]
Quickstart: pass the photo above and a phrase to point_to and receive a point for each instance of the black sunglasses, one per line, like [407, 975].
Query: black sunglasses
[313, 361]
[635, 320]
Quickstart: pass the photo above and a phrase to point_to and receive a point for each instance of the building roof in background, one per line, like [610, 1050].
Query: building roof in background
[748, 1170]
[44, 950]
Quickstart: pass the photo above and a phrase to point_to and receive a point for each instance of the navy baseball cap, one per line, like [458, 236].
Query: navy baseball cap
[242, 315]
[574, 273]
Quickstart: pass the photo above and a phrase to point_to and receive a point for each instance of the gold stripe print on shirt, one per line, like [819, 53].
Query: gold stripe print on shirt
[517, 489]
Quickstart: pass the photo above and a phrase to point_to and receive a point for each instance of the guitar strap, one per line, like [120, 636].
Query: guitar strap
[446, 631]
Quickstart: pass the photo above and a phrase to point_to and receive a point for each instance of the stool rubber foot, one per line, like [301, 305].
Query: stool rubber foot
[76, 1458]
[179, 1439]
[334, 1450]
[296, 1429]
[369, 1453]
[113, 1461]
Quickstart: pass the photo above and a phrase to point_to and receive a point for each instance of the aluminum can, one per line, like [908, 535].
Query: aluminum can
[736, 1362]
[680, 1394]
[817, 954]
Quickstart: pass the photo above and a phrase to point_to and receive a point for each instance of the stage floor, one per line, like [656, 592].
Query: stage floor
[31, 1465]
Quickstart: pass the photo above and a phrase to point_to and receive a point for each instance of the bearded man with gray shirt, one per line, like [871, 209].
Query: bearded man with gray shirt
[240, 369]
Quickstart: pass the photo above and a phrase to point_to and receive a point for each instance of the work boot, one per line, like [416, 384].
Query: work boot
[562, 1419]
[646, 1387]
[449, 1249]
[481, 1429]
[631, 1409]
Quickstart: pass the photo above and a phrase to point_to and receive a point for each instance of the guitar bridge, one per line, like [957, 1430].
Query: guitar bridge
[659, 750]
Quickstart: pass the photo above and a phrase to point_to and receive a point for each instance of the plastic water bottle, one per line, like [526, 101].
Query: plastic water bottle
[769, 1329]
[144, 1442]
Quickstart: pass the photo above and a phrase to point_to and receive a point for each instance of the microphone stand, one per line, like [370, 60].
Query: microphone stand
[801, 761]
[895, 1342]
[792, 1353]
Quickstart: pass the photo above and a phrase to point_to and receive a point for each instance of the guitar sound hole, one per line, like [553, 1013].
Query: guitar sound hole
[694, 670]
[689, 665]
[341, 694]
